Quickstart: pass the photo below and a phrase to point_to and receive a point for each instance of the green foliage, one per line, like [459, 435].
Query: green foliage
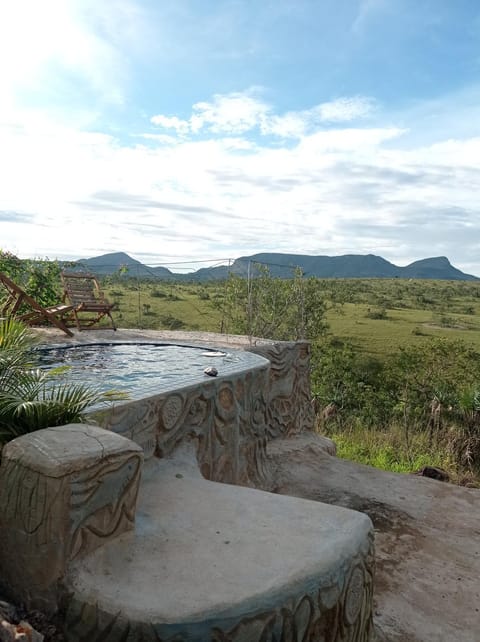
[282, 309]
[431, 389]
[376, 313]
[31, 399]
[39, 278]
[171, 323]
[158, 294]
[354, 382]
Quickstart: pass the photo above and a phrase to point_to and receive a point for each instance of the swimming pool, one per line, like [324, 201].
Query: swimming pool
[138, 368]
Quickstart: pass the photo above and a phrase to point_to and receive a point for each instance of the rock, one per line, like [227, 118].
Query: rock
[211, 371]
[433, 473]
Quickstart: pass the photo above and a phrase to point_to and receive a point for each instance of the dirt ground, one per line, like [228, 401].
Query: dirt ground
[427, 539]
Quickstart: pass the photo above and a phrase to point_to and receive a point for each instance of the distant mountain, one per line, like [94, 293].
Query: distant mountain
[114, 262]
[436, 268]
[348, 266]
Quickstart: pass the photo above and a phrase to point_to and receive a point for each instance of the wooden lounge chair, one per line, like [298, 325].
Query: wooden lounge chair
[22, 306]
[83, 293]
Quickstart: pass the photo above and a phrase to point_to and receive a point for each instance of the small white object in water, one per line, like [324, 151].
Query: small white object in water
[211, 353]
[211, 371]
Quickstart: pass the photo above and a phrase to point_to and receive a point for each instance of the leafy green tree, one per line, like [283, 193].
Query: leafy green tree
[437, 368]
[281, 309]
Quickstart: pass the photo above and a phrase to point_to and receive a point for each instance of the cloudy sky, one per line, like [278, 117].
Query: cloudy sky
[188, 130]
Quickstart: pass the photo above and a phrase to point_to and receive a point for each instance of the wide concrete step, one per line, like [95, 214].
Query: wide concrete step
[210, 561]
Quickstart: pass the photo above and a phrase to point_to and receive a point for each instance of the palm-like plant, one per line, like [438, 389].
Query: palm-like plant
[31, 399]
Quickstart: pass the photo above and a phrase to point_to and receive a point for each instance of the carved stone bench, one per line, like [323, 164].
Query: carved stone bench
[205, 560]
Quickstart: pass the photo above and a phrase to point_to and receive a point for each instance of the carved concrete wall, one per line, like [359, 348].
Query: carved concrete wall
[225, 416]
[63, 492]
[289, 408]
[339, 610]
[230, 417]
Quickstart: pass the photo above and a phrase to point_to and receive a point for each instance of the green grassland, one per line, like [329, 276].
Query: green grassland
[169, 307]
[376, 315]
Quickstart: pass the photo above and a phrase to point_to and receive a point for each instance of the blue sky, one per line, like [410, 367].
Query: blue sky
[206, 130]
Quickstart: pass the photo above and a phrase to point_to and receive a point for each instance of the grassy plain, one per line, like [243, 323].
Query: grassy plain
[377, 315]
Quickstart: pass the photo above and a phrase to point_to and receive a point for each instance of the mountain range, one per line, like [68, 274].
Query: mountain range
[283, 265]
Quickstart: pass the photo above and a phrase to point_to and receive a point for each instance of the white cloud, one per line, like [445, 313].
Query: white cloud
[237, 113]
[171, 122]
[233, 113]
[230, 114]
[290, 125]
[58, 48]
[226, 196]
[345, 109]
[229, 192]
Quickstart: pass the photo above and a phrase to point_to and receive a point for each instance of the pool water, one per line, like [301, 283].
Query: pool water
[134, 368]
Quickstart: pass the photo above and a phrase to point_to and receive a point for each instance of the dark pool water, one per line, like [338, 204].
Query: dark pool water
[134, 368]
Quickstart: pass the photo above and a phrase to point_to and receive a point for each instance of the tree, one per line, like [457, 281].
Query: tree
[281, 309]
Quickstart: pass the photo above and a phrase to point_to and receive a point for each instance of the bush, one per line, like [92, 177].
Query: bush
[376, 313]
[171, 322]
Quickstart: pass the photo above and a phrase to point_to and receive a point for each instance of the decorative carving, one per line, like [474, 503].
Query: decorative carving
[70, 490]
[230, 416]
[33, 531]
[305, 618]
[102, 502]
[171, 411]
[354, 595]
[63, 492]
[136, 420]
[289, 409]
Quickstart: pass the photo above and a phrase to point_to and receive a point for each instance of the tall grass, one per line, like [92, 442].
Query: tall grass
[388, 450]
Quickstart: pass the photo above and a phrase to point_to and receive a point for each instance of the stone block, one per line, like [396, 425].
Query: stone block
[63, 492]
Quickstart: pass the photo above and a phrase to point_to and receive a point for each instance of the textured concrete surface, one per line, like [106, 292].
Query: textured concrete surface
[427, 539]
[56, 452]
[63, 492]
[211, 339]
[248, 551]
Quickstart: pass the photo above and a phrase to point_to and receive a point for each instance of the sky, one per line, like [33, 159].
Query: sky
[188, 131]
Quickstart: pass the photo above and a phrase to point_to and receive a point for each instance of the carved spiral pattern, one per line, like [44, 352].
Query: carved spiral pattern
[171, 411]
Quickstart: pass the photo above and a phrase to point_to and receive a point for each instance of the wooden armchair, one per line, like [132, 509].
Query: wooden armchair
[89, 305]
[22, 306]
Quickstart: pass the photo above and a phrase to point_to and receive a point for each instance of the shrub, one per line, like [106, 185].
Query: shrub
[32, 399]
[376, 313]
[158, 294]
